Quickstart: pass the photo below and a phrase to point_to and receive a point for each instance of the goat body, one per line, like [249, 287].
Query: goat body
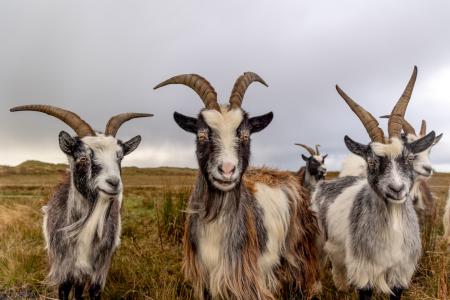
[370, 241]
[247, 243]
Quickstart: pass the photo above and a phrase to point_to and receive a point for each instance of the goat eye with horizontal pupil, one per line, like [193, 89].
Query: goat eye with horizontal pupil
[411, 157]
[202, 135]
[245, 136]
[82, 159]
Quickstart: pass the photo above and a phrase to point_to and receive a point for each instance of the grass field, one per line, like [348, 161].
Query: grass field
[147, 264]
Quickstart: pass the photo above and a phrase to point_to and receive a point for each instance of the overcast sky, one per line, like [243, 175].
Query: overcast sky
[100, 58]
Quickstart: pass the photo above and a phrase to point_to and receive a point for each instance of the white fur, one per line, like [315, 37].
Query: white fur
[354, 165]
[392, 150]
[275, 206]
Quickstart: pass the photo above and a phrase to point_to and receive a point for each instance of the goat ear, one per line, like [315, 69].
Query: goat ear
[258, 123]
[423, 143]
[437, 139]
[355, 147]
[325, 156]
[305, 158]
[131, 145]
[66, 143]
[186, 123]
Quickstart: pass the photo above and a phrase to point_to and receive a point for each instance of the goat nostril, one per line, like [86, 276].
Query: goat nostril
[114, 182]
[427, 169]
[396, 188]
[227, 169]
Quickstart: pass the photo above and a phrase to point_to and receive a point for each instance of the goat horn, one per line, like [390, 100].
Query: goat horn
[398, 113]
[317, 149]
[116, 121]
[423, 128]
[407, 127]
[73, 120]
[241, 85]
[370, 123]
[199, 84]
[309, 149]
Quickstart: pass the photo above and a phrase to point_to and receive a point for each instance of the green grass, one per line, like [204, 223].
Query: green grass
[148, 262]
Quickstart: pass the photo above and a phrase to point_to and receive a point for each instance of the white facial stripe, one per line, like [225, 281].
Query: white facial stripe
[225, 125]
[391, 150]
[105, 149]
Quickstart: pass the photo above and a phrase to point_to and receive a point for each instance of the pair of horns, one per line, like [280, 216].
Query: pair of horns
[310, 150]
[395, 123]
[409, 129]
[81, 127]
[207, 93]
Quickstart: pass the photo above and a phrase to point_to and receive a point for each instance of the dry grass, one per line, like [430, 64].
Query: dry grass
[147, 264]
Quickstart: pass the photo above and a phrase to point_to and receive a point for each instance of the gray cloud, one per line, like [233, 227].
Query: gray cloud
[102, 58]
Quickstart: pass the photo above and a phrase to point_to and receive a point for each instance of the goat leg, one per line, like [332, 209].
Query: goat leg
[64, 290]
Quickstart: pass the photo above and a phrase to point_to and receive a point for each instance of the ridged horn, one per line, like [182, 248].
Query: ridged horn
[317, 149]
[199, 84]
[406, 126]
[423, 128]
[116, 121]
[309, 149]
[398, 113]
[81, 127]
[370, 123]
[240, 87]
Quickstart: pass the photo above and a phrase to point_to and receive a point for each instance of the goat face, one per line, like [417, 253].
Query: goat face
[223, 143]
[422, 163]
[96, 163]
[316, 165]
[390, 167]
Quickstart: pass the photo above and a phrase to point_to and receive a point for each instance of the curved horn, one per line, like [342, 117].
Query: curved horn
[398, 113]
[241, 85]
[73, 120]
[309, 149]
[116, 121]
[199, 84]
[423, 128]
[370, 123]
[406, 126]
[317, 149]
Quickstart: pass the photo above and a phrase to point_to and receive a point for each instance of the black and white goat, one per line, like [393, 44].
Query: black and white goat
[421, 194]
[249, 231]
[82, 220]
[370, 225]
[315, 169]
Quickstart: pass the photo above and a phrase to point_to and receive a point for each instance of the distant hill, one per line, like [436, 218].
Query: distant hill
[34, 167]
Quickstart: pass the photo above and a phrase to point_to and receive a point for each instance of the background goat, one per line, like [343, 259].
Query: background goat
[82, 219]
[315, 169]
[371, 227]
[248, 231]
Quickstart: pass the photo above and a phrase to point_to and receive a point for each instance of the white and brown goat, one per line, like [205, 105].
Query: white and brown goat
[249, 232]
[82, 220]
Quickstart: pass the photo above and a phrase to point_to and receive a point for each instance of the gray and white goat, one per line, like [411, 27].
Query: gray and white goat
[421, 194]
[369, 223]
[82, 220]
[315, 169]
[249, 232]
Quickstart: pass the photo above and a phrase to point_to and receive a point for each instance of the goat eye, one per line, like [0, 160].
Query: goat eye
[83, 159]
[202, 135]
[245, 135]
[371, 163]
[411, 157]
